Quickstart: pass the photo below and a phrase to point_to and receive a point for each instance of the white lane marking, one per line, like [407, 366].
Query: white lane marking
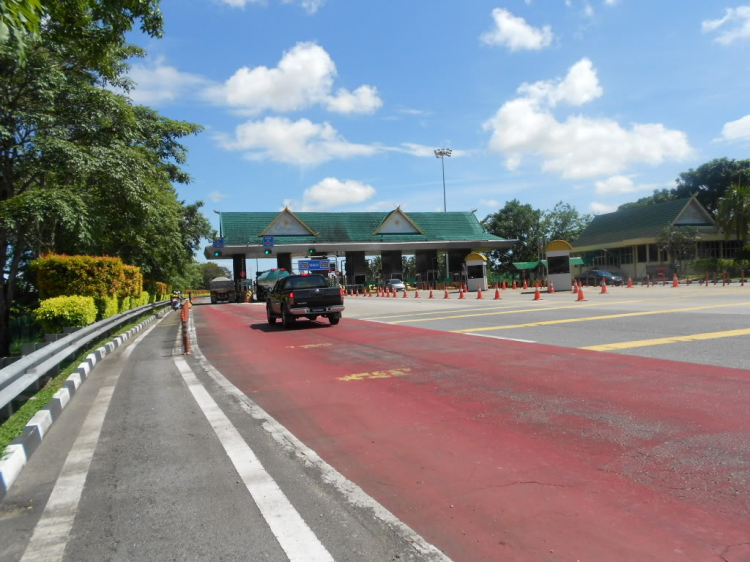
[497, 337]
[293, 534]
[355, 495]
[50, 537]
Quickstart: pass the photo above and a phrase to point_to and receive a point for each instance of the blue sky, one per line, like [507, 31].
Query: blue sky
[336, 105]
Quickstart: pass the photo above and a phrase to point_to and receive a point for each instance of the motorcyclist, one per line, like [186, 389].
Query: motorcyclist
[176, 300]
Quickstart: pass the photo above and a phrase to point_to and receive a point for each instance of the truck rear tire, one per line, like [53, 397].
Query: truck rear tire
[334, 319]
[271, 318]
[286, 319]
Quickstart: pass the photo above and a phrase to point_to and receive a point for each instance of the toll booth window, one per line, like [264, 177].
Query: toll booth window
[475, 271]
[558, 264]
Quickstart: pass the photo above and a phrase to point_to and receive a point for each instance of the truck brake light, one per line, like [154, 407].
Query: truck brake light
[291, 298]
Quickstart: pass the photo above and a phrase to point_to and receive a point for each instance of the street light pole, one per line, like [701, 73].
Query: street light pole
[442, 153]
[219, 213]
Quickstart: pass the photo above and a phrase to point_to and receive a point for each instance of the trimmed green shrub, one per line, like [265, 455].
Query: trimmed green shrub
[90, 276]
[133, 285]
[124, 304]
[106, 307]
[62, 312]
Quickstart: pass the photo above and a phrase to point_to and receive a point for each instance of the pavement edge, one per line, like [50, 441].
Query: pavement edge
[20, 450]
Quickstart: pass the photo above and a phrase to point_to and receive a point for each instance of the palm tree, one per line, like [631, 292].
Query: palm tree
[734, 212]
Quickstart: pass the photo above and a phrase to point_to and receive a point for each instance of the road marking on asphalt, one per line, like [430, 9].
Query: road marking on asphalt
[376, 375]
[505, 309]
[498, 337]
[671, 339]
[294, 536]
[309, 345]
[51, 533]
[588, 318]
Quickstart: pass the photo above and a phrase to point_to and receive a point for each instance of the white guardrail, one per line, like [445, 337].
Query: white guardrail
[18, 376]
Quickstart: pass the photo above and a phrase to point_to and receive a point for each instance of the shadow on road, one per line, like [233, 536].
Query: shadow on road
[298, 325]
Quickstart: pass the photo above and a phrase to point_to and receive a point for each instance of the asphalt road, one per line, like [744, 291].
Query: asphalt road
[134, 470]
[505, 450]
[632, 318]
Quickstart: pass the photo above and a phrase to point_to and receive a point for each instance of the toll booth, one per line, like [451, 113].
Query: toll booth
[558, 265]
[476, 272]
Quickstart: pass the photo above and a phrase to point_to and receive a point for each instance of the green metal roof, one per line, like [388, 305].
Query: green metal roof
[244, 228]
[628, 224]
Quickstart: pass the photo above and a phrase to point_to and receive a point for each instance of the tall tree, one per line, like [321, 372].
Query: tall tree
[659, 196]
[83, 170]
[212, 270]
[680, 243]
[734, 212]
[516, 221]
[564, 222]
[711, 180]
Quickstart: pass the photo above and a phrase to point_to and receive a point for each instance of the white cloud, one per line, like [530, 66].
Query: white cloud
[514, 33]
[157, 82]
[580, 146]
[310, 6]
[303, 77]
[362, 100]
[217, 196]
[601, 208]
[588, 11]
[737, 21]
[619, 185]
[611, 2]
[332, 192]
[302, 142]
[490, 203]
[423, 150]
[737, 130]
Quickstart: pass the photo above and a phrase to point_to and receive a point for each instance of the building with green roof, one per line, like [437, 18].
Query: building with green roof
[354, 236]
[625, 241]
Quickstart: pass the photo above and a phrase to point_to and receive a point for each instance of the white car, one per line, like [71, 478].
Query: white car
[395, 285]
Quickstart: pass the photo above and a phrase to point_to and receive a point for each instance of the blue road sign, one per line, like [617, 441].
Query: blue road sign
[268, 241]
[219, 243]
[313, 265]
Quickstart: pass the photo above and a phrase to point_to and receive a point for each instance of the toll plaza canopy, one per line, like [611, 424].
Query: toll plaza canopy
[336, 233]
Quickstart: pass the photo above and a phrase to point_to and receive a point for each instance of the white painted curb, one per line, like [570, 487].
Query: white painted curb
[20, 450]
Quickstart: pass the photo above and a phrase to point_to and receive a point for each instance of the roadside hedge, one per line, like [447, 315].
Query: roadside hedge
[88, 276]
[68, 311]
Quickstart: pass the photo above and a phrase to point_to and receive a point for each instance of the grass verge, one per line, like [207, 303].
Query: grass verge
[13, 426]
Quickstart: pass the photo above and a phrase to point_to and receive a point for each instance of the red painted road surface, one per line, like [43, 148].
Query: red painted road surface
[499, 450]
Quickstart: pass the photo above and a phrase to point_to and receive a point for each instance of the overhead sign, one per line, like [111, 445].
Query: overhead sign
[313, 265]
[219, 243]
[268, 241]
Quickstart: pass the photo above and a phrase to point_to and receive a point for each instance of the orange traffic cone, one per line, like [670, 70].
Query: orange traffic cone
[431, 295]
[630, 282]
[604, 287]
[525, 286]
[405, 295]
[580, 295]
[416, 294]
[675, 281]
[447, 296]
[394, 293]
[537, 295]
[479, 294]
[461, 293]
[551, 289]
[497, 295]
[514, 285]
[504, 286]
[575, 287]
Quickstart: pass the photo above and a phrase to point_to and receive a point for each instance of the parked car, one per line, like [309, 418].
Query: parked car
[595, 277]
[395, 285]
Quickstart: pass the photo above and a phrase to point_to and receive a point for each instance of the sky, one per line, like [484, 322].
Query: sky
[338, 105]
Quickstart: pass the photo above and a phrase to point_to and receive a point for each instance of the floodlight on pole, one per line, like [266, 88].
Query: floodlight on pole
[219, 213]
[442, 153]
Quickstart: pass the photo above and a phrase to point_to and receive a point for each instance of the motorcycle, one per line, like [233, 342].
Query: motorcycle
[176, 303]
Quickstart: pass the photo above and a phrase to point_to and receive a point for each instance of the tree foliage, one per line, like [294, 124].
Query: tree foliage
[659, 196]
[734, 212]
[84, 170]
[711, 180]
[680, 242]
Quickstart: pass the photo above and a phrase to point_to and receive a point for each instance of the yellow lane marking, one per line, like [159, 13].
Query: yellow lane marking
[541, 308]
[376, 375]
[672, 339]
[586, 319]
[308, 345]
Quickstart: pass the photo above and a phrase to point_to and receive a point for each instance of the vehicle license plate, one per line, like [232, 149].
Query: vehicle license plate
[318, 309]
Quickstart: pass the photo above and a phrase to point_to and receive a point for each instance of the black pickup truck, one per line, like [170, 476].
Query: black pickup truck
[304, 295]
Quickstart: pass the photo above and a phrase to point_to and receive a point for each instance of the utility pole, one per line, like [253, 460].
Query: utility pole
[442, 153]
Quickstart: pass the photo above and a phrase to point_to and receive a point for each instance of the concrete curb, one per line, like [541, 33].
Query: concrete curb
[20, 450]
